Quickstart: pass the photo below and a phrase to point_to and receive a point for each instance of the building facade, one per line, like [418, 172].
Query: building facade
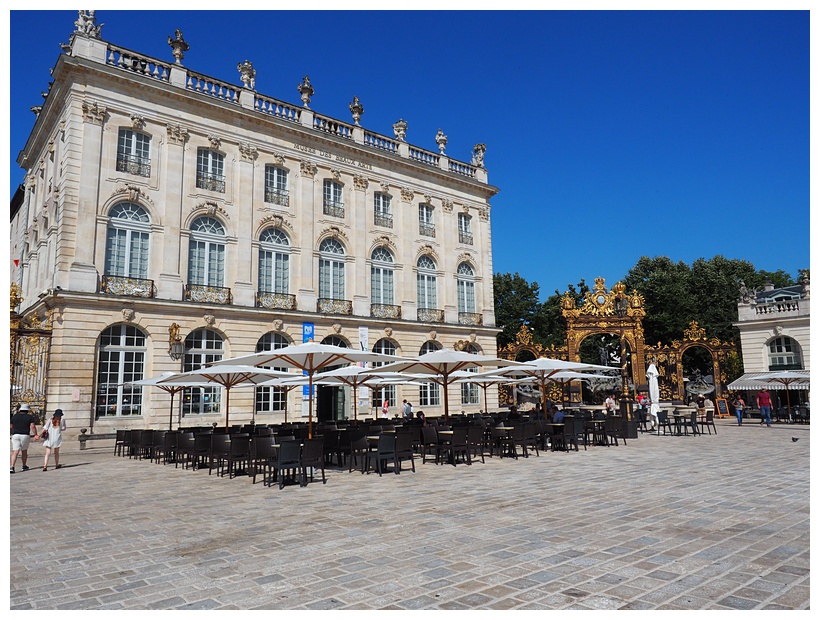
[168, 219]
[774, 331]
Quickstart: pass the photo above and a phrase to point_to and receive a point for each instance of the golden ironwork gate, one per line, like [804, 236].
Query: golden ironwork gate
[30, 345]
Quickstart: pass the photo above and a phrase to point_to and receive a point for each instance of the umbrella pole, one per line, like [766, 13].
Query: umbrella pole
[446, 400]
[171, 412]
[310, 406]
[355, 405]
[484, 388]
[227, 405]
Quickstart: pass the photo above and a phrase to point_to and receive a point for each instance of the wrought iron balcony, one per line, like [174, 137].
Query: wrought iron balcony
[278, 301]
[465, 237]
[428, 230]
[202, 293]
[385, 311]
[211, 182]
[333, 207]
[277, 196]
[133, 287]
[384, 219]
[133, 164]
[469, 318]
[430, 315]
[334, 306]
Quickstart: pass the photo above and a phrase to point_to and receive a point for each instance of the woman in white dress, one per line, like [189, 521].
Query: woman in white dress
[55, 430]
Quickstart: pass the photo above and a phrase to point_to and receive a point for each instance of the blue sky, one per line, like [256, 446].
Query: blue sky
[610, 134]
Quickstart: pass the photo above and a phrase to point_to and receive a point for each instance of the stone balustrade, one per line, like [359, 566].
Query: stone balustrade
[212, 87]
[137, 63]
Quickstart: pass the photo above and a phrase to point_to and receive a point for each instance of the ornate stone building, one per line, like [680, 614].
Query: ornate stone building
[169, 218]
[774, 330]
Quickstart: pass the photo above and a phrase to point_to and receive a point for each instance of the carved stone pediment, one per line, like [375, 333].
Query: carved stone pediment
[384, 241]
[277, 221]
[447, 205]
[137, 121]
[385, 187]
[215, 141]
[336, 233]
[407, 194]
[279, 159]
[360, 182]
[132, 193]
[336, 174]
[247, 152]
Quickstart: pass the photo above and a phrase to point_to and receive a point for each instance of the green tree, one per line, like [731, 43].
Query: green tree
[550, 324]
[516, 304]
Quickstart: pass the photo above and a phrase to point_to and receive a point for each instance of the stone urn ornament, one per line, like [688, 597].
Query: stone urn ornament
[356, 109]
[247, 74]
[178, 46]
[305, 90]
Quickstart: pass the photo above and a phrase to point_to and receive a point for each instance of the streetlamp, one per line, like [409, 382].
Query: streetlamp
[175, 347]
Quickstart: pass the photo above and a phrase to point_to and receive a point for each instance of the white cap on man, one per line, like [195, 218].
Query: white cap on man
[25, 407]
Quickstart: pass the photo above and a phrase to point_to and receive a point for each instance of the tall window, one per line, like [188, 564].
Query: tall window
[331, 270]
[276, 185]
[210, 170]
[465, 235]
[134, 153]
[381, 277]
[206, 252]
[426, 281]
[386, 392]
[469, 391]
[126, 245]
[381, 210]
[466, 288]
[120, 360]
[202, 346]
[332, 201]
[426, 225]
[274, 261]
[784, 354]
[269, 399]
[429, 393]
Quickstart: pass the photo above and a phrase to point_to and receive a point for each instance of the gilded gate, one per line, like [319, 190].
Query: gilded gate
[29, 352]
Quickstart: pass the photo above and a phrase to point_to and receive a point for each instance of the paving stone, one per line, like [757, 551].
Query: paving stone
[641, 536]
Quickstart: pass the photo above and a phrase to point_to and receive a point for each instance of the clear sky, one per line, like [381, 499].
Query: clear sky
[610, 134]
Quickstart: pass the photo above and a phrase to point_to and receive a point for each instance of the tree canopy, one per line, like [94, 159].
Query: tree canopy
[675, 294]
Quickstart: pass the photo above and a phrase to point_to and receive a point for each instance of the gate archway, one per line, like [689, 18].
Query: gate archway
[608, 312]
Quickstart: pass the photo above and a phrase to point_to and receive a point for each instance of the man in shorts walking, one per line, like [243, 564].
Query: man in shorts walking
[22, 427]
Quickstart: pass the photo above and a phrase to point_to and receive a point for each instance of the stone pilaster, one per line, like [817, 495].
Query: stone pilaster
[170, 282]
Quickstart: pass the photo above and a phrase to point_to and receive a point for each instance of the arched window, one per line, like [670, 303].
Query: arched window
[120, 360]
[426, 281]
[206, 252]
[429, 393]
[784, 354]
[469, 391]
[331, 270]
[466, 288]
[127, 241]
[274, 261]
[381, 277]
[202, 346]
[386, 392]
[270, 399]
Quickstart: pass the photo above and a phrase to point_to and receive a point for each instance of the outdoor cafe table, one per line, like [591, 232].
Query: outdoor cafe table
[681, 416]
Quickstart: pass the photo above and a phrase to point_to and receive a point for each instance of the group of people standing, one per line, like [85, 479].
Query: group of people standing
[764, 403]
[24, 425]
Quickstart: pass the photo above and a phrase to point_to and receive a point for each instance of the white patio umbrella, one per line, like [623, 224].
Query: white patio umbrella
[286, 384]
[484, 380]
[310, 357]
[171, 388]
[226, 375]
[654, 393]
[542, 370]
[438, 367]
[790, 380]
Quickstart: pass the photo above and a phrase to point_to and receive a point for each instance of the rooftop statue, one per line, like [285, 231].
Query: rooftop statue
[356, 109]
[306, 90]
[478, 155]
[400, 129]
[86, 24]
[441, 140]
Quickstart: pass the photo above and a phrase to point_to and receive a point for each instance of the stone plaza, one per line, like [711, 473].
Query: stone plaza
[665, 522]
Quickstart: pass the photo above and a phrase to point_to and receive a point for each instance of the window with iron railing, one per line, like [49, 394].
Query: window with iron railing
[332, 199]
[381, 210]
[210, 170]
[426, 225]
[133, 153]
[276, 185]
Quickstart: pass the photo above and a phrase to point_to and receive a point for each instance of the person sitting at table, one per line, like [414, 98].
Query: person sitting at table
[611, 404]
[513, 414]
[557, 415]
[420, 415]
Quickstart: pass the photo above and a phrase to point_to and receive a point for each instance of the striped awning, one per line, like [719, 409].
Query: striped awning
[751, 381]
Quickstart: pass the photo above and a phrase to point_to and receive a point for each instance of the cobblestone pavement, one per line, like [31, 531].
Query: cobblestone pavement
[706, 522]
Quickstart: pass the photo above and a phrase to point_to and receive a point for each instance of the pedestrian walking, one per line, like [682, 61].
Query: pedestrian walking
[764, 403]
[739, 405]
[53, 438]
[22, 428]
